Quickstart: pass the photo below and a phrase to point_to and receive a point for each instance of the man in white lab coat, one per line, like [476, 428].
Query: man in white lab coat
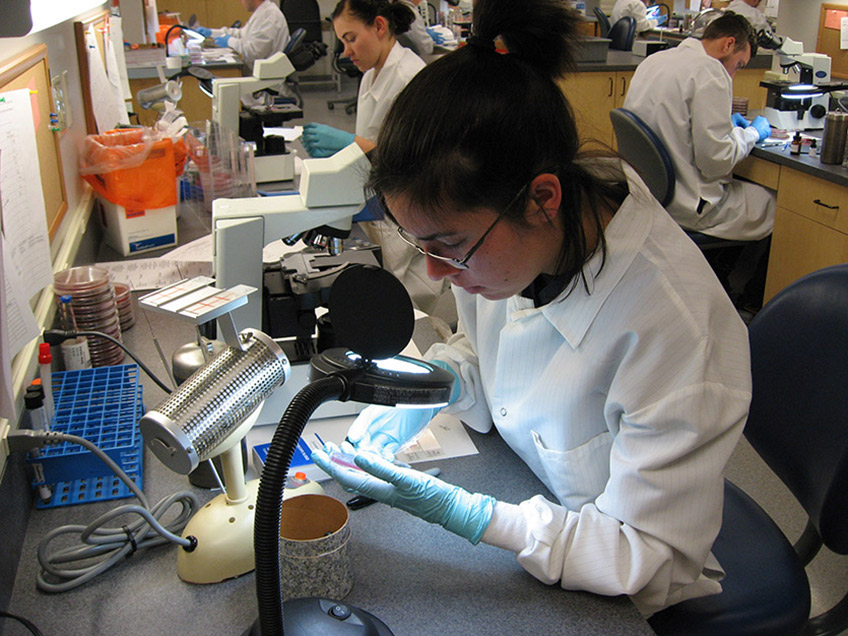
[636, 9]
[684, 94]
[751, 10]
[265, 33]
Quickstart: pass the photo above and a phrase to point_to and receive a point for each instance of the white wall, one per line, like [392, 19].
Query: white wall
[799, 20]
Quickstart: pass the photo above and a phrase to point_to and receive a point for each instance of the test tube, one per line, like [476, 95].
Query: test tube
[45, 361]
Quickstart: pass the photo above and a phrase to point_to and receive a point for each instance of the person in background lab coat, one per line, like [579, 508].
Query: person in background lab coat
[369, 30]
[750, 9]
[265, 33]
[417, 34]
[592, 334]
[684, 94]
[635, 9]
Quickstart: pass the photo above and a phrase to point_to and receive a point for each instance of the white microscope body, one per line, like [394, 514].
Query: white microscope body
[227, 93]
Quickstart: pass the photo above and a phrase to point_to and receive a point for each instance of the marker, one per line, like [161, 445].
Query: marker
[361, 501]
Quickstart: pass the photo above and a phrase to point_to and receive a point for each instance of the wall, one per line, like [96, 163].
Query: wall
[799, 20]
[15, 497]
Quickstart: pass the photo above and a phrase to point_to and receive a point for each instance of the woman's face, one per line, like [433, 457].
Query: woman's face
[509, 259]
[365, 45]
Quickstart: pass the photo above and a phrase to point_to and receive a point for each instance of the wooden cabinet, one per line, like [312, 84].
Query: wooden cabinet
[746, 83]
[810, 229]
[592, 96]
[210, 13]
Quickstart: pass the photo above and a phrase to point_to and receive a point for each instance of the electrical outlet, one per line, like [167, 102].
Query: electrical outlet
[60, 117]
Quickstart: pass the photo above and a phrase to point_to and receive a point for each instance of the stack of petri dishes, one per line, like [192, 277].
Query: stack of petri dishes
[125, 306]
[95, 309]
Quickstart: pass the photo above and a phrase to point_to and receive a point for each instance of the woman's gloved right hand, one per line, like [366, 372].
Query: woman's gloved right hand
[386, 429]
[203, 31]
[437, 37]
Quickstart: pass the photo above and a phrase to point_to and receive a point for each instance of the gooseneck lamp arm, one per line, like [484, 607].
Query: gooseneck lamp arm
[269, 501]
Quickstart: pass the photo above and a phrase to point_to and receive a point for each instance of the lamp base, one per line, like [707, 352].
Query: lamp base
[224, 533]
[323, 617]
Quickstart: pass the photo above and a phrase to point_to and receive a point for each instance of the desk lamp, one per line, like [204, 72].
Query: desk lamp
[372, 316]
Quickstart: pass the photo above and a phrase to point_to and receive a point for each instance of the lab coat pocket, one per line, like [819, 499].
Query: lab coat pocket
[577, 476]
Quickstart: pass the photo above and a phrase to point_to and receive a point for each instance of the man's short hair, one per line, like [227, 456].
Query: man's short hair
[732, 25]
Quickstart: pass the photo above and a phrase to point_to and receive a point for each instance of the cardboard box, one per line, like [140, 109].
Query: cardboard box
[135, 231]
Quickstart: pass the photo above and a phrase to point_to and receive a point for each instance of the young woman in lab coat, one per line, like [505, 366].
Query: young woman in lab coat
[592, 333]
[369, 30]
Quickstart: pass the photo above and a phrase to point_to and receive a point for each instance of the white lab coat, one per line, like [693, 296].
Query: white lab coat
[418, 32]
[756, 17]
[266, 32]
[376, 95]
[625, 402]
[684, 95]
[635, 9]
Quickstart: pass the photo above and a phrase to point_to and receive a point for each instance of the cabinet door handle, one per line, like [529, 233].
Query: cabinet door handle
[610, 88]
[825, 205]
[623, 86]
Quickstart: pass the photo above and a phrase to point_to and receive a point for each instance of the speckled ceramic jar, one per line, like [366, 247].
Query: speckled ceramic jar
[314, 561]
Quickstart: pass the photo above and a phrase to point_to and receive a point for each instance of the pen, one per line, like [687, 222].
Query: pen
[361, 501]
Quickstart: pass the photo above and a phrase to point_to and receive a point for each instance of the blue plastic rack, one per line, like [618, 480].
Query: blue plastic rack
[103, 405]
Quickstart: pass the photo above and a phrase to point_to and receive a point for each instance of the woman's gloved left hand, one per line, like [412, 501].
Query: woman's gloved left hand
[321, 140]
[738, 120]
[463, 513]
[203, 31]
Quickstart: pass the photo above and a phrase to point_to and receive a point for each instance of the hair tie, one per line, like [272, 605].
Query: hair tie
[480, 42]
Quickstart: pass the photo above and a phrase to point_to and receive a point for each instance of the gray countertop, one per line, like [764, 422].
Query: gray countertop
[418, 578]
[837, 174]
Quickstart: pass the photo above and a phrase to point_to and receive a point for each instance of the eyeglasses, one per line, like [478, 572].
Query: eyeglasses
[460, 263]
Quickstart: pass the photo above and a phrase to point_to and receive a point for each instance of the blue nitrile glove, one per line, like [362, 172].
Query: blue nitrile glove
[438, 38]
[222, 42]
[321, 140]
[661, 19]
[386, 429]
[422, 495]
[738, 120]
[207, 33]
[761, 125]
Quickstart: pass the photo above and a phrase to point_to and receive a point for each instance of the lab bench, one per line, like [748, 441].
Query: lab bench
[197, 106]
[811, 222]
[417, 577]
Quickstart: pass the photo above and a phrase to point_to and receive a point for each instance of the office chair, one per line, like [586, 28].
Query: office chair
[344, 66]
[603, 22]
[622, 34]
[645, 151]
[797, 424]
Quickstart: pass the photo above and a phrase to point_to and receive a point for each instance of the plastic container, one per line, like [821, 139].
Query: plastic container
[103, 406]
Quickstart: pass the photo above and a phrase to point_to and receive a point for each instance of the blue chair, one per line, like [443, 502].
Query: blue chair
[622, 34]
[797, 425]
[603, 22]
[642, 148]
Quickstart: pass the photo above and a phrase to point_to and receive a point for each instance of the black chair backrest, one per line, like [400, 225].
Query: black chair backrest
[622, 34]
[303, 53]
[797, 422]
[305, 14]
[603, 22]
[644, 150]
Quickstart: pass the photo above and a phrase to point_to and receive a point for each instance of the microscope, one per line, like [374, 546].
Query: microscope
[272, 162]
[330, 194]
[800, 101]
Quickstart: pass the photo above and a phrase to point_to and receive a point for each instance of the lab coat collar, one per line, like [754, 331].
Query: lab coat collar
[382, 83]
[573, 313]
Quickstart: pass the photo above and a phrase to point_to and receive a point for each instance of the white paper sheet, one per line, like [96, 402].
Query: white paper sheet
[24, 219]
[153, 273]
[106, 99]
